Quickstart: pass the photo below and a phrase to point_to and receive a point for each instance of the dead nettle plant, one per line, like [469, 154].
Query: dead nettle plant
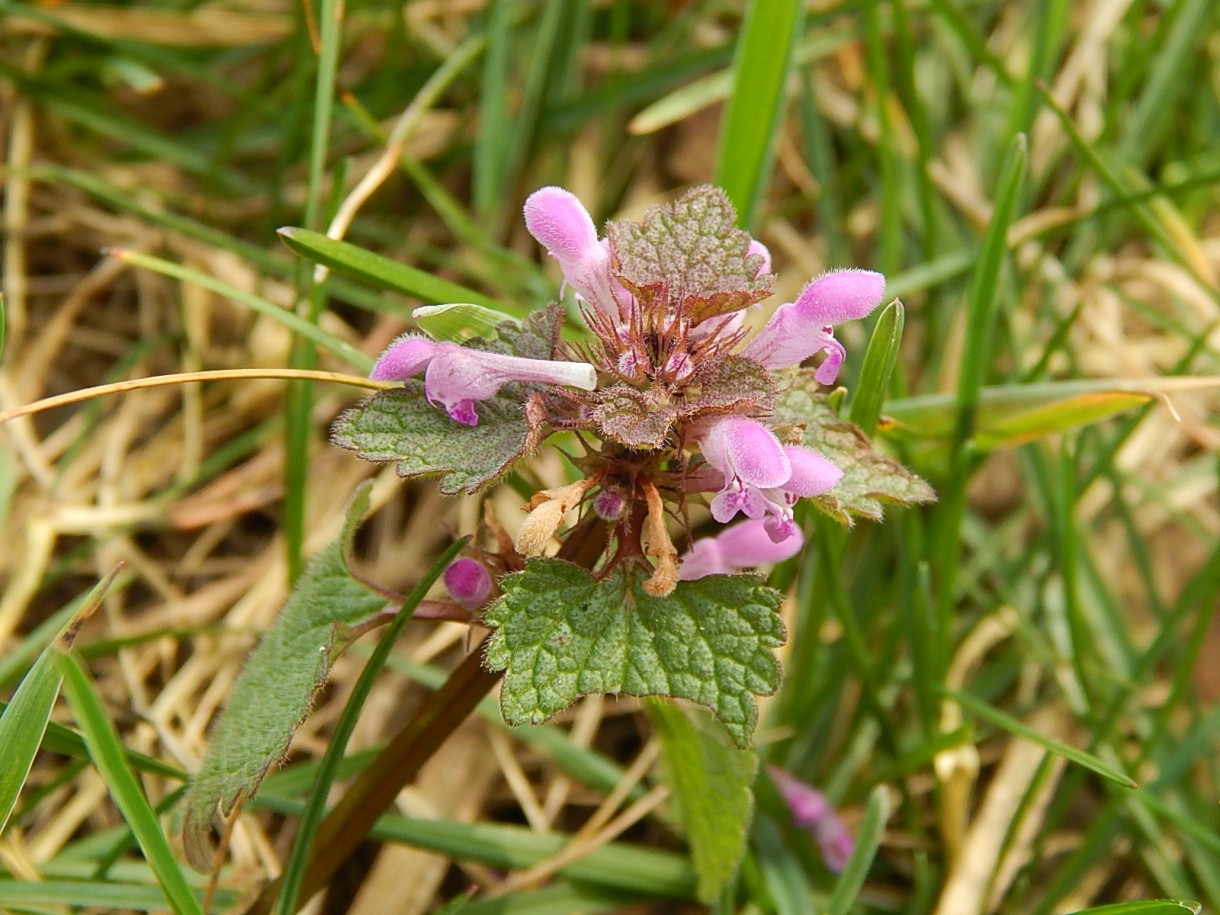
[664, 403]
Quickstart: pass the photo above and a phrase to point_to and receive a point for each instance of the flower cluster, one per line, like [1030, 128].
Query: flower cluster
[671, 396]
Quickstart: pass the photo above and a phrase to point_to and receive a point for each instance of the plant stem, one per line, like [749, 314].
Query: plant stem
[396, 766]
[374, 790]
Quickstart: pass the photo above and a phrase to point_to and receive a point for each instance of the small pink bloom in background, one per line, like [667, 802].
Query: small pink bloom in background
[468, 582]
[741, 546]
[799, 329]
[456, 376]
[811, 811]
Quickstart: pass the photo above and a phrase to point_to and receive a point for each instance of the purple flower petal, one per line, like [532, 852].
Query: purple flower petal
[746, 452]
[562, 225]
[811, 811]
[456, 376]
[799, 329]
[737, 498]
[812, 474]
[841, 295]
[406, 356]
[757, 247]
[741, 546]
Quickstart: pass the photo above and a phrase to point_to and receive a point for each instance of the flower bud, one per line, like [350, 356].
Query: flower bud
[469, 582]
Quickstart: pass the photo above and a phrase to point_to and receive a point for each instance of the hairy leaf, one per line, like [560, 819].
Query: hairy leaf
[733, 384]
[691, 252]
[869, 478]
[712, 787]
[401, 425]
[561, 634]
[635, 418]
[643, 418]
[276, 687]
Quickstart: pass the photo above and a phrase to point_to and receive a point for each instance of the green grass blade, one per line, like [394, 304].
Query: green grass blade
[109, 756]
[1150, 907]
[761, 67]
[632, 868]
[315, 805]
[1008, 723]
[493, 142]
[96, 895]
[1167, 79]
[22, 725]
[292, 321]
[985, 289]
[868, 840]
[878, 366]
[360, 264]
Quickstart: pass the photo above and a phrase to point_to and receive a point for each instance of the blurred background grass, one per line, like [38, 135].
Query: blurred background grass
[1061, 594]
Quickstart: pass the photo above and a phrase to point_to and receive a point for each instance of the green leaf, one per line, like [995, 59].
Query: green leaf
[109, 755]
[378, 270]
[691, 251]
[21, 728]
[276, 687]
[401, 425]
[635, 418]
[1014, 414]
[761, 68]
[561, 634]
[712, 787]
[1146, 907]
[985, 290]
[1014, 726]
[459, 322]
[879, 361]
[869, 478]
[868, 840]
[25, 719]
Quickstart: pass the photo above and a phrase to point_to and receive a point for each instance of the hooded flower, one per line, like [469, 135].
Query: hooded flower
[750, 458]
[799, 329]
[741, 546]
[562, 225]
[457, 376]
[811, 475]
[761, 476]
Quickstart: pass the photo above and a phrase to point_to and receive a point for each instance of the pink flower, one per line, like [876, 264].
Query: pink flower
[811, 811]
[562, 225]
[799, 329]
[812, 475]
[468, 582]
[750, 458]
[456, 376]
[761, 476]
[742, 546]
